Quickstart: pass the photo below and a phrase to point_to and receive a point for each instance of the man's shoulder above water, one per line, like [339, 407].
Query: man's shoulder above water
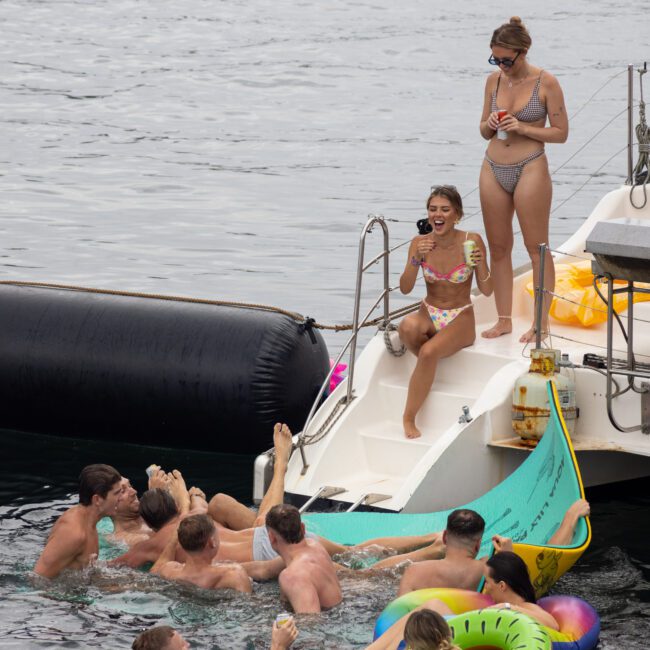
[443, 573]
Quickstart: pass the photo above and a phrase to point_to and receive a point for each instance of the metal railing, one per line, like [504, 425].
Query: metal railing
[304, 439]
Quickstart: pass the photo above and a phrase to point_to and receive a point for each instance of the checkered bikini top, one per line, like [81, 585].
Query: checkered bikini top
[534, 109]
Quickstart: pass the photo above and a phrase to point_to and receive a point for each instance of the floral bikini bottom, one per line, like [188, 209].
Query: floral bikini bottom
[442, 317]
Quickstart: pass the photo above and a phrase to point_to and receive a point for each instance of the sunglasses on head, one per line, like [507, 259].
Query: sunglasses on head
[506, 62]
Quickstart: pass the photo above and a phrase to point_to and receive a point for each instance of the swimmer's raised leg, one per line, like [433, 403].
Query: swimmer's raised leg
[282, 443]
[230, 513]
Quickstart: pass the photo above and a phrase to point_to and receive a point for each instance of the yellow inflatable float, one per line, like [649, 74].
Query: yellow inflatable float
[575, 282]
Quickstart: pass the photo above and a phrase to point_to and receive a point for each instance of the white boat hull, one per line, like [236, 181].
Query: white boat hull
[365, 452]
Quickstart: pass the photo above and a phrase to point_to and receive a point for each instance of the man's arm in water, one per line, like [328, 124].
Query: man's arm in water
[168, 555]
[262, 570]
[136, 556]
[61, 550]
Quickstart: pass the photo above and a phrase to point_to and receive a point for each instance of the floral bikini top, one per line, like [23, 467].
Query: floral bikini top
[457, 275]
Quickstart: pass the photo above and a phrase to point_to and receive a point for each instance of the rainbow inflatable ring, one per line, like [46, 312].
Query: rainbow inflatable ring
[473, 626]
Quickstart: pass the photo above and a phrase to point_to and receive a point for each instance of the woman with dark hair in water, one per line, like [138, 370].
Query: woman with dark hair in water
[519, 98]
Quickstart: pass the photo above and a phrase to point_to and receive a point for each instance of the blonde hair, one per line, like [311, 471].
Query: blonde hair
[512, 35]
[427, 630]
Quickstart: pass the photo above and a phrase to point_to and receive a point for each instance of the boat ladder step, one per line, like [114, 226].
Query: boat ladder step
[326, 492]
[369, 499]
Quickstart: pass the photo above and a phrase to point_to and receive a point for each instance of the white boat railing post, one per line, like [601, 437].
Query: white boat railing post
[356, 325]
[357, 294]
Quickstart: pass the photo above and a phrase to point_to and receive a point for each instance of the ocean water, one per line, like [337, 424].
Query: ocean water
[233, 150]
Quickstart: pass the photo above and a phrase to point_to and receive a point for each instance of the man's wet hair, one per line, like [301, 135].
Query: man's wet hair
[285, 521]
[96, 479]
[465, 524]
[157, 508]
[195, 531]
[155, 638]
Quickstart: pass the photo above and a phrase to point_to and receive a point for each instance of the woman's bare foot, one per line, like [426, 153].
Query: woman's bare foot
[282, 443]
[529, 336]
[501, 327]
[410, 430]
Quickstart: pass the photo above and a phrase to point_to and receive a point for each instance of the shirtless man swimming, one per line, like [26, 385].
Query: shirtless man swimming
[198, 537]
[162, 510]
[459, 568]
[128, 525]
[309, 580]
[73, 542]
[158, 511]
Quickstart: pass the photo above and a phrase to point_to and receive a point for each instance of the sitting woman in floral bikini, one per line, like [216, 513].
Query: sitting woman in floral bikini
[444, 323]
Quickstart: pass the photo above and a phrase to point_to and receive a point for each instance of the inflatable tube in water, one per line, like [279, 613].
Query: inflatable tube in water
[170, 372]
[579, 623]
[578, 620]
[458, 600]
[498, 628]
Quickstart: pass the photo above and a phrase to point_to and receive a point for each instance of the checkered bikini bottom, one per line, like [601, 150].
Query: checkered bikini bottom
[508, 175]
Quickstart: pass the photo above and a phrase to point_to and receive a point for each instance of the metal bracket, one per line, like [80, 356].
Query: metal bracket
[368, 500]
[326, 492]
[466, 416]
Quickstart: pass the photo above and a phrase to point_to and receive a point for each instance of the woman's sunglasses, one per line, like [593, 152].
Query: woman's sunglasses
[506, 62]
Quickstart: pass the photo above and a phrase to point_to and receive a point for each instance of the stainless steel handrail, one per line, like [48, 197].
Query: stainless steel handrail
[356, 324]
[630, 122]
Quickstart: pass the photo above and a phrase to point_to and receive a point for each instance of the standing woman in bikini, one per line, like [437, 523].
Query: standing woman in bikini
[514, 175]
[444, 323]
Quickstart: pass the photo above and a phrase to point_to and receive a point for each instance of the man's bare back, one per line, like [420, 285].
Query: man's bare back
[216, 576]
[463, 573]
[197, 538]
[72, 544]
[309, 582]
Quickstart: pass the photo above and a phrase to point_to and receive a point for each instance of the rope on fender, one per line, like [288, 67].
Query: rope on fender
[306, 323]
